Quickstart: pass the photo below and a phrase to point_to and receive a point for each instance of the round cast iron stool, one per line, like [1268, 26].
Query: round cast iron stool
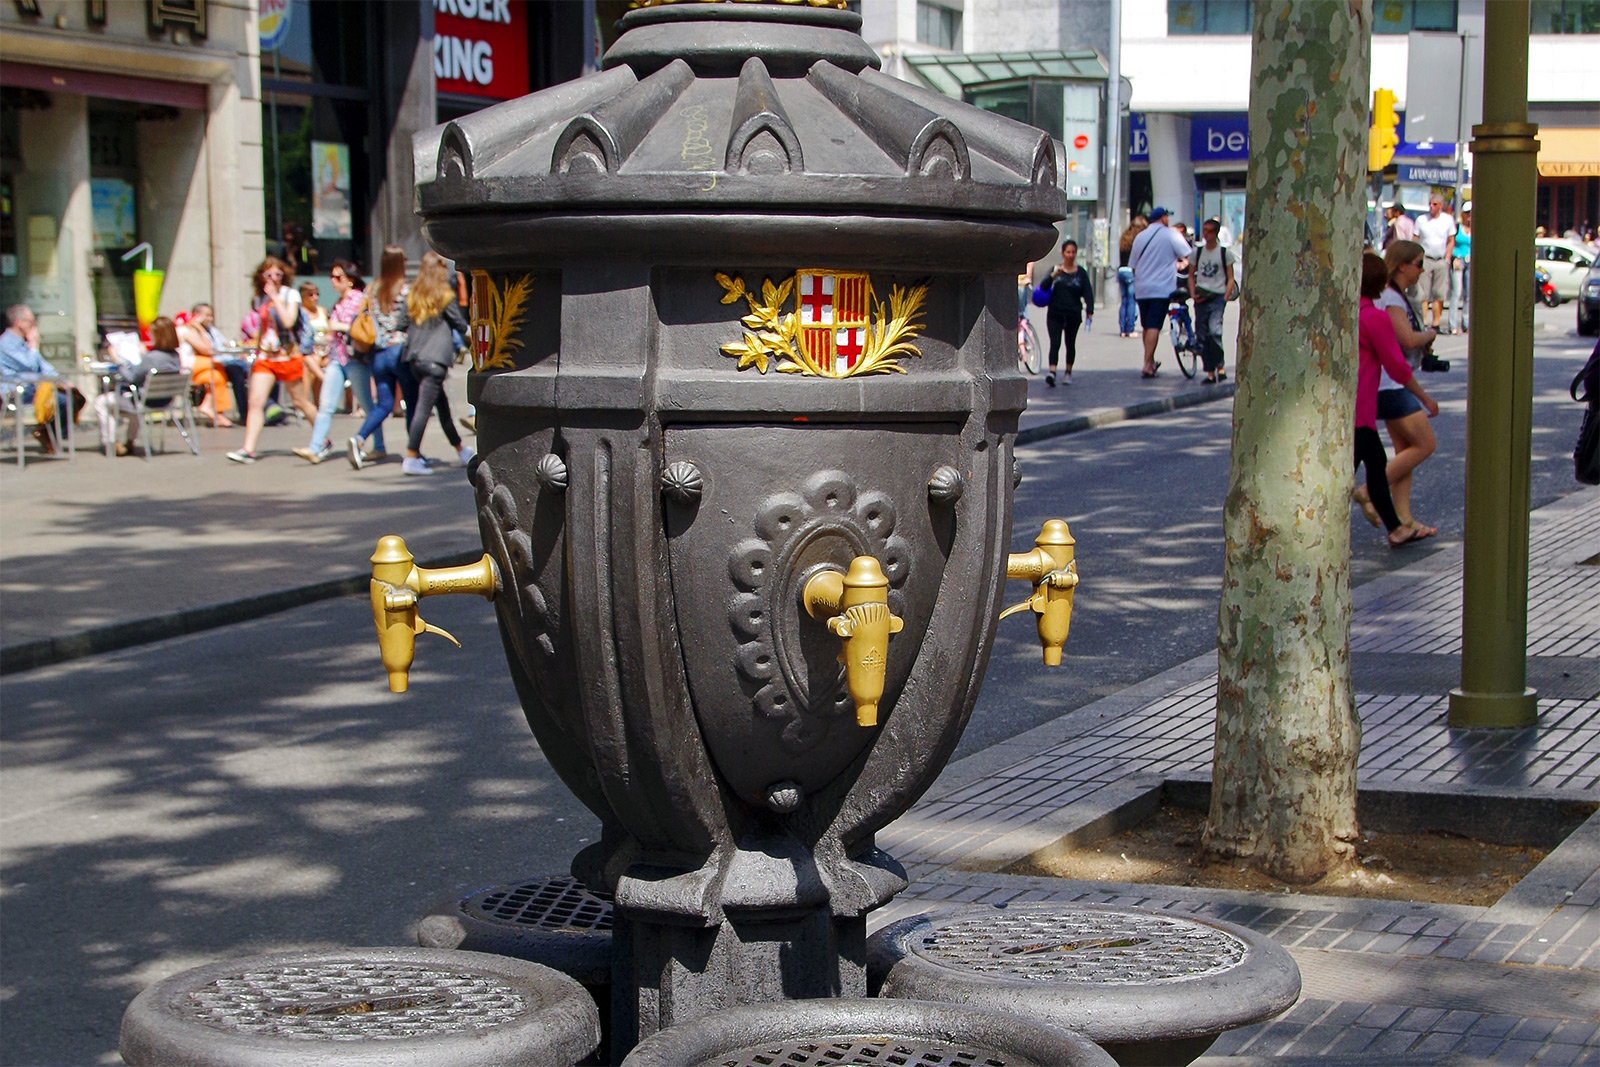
[370, 1007]
[1152, 988]
[827, 1033]
[556, 921]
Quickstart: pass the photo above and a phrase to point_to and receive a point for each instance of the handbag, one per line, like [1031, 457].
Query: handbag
[1041, 296]
[363, 331]
[1586, 456]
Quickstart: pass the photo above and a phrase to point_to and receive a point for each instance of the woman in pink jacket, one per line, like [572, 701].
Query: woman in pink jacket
[1379, 349]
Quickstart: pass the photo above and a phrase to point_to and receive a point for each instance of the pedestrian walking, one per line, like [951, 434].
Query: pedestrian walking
[1071, 304]
[386, 303]
[1436, 233]
[278, 359]
[1379, 352]
[1461, 270]
[1127, 309]
[1410, 432]
[1211, 286]
[433, 319]
[1154, 257]
[1400, 227]
[344, 363]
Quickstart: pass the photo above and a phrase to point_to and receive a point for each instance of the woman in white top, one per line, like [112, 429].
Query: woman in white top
[1410, 432]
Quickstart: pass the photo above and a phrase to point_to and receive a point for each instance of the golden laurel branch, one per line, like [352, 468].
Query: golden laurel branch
[773, 334]
[505, 315]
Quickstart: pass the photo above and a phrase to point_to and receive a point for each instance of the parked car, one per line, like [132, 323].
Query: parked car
[1567, 262]
[1589, 303]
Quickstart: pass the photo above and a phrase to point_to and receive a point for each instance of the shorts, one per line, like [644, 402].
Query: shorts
[285, 370]
[1153, 312]
[1397, 404]
[1434, 284]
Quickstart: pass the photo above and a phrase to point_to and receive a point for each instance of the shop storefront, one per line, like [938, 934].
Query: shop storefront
[1206, 155]
[124, 127]
[1569, 178]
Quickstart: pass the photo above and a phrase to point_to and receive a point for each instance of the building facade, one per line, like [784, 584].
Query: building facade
[217, 131]
[123, 123]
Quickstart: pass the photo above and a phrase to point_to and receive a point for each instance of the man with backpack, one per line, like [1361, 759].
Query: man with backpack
[1211, 286]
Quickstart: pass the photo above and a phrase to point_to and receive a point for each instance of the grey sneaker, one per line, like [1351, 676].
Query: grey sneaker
[354, 454]
[241, 456]
[466, 454]
[414, 465]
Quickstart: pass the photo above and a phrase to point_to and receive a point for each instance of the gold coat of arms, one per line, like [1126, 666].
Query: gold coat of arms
[837, 327]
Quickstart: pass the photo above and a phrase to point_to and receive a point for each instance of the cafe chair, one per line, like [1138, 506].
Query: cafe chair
[164, 397]
[17, 412]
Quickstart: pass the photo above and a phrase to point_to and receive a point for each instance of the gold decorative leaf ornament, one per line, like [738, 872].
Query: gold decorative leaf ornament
[837, 328]
[496, 317]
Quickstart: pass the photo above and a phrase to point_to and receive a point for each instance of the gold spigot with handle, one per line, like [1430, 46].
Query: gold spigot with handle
[855, 607]
[1053, 570]
[397, 584]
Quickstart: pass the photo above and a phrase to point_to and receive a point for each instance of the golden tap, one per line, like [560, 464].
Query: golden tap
[397, 584]
[1053, 570]
[855, 605]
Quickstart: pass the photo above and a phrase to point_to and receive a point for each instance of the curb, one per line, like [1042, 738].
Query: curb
[116, 636]
[1143, 409]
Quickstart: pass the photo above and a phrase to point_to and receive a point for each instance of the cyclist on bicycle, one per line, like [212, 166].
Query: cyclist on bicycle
[1071, 302]
[1154, 258]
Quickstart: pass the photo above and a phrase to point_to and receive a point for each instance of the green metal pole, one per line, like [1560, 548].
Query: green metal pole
[1494, 622]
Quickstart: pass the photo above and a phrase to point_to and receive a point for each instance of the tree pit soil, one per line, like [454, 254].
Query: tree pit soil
[1434, 867]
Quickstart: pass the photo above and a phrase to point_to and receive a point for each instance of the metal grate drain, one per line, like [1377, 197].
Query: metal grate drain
[549, 903]
[829, 1052]
[354, 1001]
[1116, 948]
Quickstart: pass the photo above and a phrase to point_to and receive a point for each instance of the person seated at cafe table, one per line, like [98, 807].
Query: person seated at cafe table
[199, 336]
[117, 403]
[20, 358]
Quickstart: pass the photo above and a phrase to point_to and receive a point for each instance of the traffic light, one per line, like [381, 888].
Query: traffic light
[1382, 138]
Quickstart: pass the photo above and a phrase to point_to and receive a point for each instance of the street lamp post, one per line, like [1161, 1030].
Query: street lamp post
[1494, 625]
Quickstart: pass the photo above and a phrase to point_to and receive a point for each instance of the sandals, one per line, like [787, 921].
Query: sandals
[1359, 497]
[1151, 373]
[1414, 532]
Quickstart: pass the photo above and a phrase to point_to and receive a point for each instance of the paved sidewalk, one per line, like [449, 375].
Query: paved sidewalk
[1384, 982]
[98, 554]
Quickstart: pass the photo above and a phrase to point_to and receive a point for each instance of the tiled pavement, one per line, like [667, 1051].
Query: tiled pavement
[1385, 982]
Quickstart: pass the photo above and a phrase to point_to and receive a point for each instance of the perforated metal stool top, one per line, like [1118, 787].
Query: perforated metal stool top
[363, 1006]
[1116, 975]
[554, 920]
[833, 1033]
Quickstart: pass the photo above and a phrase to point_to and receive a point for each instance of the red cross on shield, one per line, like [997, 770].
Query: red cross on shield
[848, 345]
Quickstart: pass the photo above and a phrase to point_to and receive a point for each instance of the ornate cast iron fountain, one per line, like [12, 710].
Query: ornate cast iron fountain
[742, 321]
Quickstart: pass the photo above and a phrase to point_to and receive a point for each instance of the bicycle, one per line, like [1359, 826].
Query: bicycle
[1030, 357]
[1181, 330]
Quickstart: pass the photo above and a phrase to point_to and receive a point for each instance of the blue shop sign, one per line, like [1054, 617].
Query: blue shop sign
[1219, 138]
[1224, 137]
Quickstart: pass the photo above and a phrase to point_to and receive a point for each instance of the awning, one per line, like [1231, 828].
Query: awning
[1569, 153]
[952, 73]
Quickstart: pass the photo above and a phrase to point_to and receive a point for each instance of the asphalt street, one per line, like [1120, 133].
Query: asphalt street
[254, 788]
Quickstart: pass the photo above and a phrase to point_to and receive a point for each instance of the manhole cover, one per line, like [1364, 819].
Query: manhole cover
[1102, 947]
[354, 1001]
[549, 903]
[833, 1052]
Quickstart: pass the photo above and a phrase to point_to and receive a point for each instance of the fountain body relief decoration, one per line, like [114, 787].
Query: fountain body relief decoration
[743, 361]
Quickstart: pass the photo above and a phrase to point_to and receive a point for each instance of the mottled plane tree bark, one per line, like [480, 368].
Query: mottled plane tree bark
[1284, 789]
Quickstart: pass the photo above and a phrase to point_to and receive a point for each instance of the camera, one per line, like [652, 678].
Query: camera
[1434, 365]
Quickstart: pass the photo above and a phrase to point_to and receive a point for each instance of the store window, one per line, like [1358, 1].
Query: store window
[114, 205]
[316, 63]
[1186, 17]
[1565, 16]
[1403, 16]
[939, 26]
[1207, 16]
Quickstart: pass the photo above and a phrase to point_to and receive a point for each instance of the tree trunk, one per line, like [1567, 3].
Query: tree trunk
[1284, 774]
